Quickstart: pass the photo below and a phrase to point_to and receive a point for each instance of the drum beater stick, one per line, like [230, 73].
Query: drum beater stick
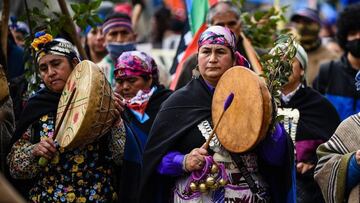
[227, 103]
[65, 111]
[43, 161]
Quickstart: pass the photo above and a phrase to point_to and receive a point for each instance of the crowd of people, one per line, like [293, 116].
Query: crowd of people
[154, 150]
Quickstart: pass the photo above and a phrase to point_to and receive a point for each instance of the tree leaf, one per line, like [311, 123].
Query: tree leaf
[75, 8]
[258, 15]
[97, 19]
[95, 4]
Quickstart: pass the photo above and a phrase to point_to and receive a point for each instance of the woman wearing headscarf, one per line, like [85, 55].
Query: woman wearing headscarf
[310, 120]
[174, 155]
[82, 174]
[137, 81]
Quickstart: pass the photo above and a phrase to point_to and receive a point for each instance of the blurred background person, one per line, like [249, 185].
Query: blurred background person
[119, 37]
[307, 24]
[95, 43]
[336, 78]
[166, 29]
[19, 30]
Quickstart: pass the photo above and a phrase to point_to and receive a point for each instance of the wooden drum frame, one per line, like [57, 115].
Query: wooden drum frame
[91, 112]
[246, 122]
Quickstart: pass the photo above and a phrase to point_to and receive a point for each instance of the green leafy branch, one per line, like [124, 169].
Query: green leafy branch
[277, 65]
[85, 14]
[261, 27]
[54, 23]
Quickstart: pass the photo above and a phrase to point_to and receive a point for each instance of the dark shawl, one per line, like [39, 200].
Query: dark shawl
[174, 129]
[180, 113]
[136, 137]
[42, 103]
[318, 117]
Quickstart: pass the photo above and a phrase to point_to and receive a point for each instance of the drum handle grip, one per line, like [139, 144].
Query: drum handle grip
[207, 143]
[64, 113]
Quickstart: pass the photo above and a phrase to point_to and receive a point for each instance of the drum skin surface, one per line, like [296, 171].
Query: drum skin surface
[246, 121]
[91, 112]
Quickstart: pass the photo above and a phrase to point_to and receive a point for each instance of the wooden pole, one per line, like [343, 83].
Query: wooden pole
[252, 55]
[72, 29]
[4, 88]
[4, 27]
[28, 20]
[136, 15]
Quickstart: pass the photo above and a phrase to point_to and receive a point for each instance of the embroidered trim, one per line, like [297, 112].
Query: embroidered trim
[206, 129]
[291, 120]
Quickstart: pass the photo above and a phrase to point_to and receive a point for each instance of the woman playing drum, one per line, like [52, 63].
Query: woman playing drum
[80, 174]
[174, 149]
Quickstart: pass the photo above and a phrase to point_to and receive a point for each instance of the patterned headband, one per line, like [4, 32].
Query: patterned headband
[45, 44]
[218, 35]
[223, 36]
[116, 22]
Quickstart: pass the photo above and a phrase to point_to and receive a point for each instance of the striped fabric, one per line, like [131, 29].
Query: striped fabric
[334, 156]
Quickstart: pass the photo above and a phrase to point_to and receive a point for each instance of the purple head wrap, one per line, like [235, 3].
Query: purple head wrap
[135, 63]
[222, 36]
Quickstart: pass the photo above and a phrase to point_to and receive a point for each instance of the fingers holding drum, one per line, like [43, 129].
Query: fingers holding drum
[119, 104]
[195, 160]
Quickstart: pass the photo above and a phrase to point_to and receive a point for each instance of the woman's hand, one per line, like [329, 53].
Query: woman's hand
[195, 159]
[119, 104]
[357, 157]
[45, 148]
[302, 167]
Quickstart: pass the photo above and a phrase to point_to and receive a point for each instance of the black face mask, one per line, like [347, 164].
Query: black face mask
[353, 47]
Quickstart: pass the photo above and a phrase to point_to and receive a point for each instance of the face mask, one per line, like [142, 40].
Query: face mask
[310, 29]
[353, 47]
[309, 35]
[115, 49]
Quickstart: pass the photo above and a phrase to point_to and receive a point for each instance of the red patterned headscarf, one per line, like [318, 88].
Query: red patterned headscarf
[135, 63]
[222, 36]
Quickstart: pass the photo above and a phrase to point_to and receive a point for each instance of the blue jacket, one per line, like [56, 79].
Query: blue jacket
[336, 80]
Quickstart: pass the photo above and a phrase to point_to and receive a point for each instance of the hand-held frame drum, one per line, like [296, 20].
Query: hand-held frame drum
[92, 111]
[246, 121]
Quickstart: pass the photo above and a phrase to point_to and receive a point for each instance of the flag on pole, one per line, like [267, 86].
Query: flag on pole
[196, 24]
